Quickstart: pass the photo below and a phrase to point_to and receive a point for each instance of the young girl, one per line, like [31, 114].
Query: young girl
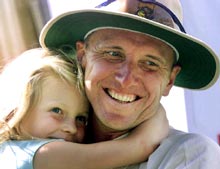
[42, 102]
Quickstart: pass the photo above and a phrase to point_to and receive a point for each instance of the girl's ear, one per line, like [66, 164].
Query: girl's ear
[176, 69]
[80, 53]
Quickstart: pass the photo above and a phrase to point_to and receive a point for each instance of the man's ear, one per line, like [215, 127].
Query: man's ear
[80, 53]
[176, 69]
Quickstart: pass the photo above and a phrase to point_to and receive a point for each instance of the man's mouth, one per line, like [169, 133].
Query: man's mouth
[123, 98]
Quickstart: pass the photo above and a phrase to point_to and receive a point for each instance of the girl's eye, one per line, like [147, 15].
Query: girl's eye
[81, 121]
[57, 110]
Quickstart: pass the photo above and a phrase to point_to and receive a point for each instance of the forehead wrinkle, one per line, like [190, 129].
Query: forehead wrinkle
[105, 42]
[100, 38]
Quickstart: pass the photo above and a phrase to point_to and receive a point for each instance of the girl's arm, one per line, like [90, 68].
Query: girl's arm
[134, 148]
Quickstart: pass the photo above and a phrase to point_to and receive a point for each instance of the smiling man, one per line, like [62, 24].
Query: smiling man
[126, 73]
[131, 57]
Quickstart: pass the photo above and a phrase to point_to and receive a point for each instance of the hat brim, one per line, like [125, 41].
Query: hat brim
[199, 64]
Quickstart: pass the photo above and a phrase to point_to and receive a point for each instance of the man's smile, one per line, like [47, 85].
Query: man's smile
[123, 98]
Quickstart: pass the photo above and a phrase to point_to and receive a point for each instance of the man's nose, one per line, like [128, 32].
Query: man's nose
[127, 75]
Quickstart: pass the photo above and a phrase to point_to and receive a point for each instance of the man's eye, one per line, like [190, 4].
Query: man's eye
[57, 110]
[149, 65]
[113, 54]
[81, 121]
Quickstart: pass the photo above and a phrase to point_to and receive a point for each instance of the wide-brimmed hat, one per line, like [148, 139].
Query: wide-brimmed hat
[199, 64]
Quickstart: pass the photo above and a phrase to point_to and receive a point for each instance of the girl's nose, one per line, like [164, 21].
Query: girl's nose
[69, 126]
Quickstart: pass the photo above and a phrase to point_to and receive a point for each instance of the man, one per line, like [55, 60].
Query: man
[131, 60]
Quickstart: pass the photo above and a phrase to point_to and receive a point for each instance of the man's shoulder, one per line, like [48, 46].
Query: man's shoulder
[177, 137]
[185, 150]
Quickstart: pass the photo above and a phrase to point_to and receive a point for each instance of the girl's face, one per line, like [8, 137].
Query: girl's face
[62, 112]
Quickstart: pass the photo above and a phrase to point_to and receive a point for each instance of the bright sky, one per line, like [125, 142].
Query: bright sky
[174, 103]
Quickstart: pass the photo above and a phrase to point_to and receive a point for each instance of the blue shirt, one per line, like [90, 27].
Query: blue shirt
[20, 154]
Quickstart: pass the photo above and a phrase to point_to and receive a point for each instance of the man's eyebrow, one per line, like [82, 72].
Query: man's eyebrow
[110, 47]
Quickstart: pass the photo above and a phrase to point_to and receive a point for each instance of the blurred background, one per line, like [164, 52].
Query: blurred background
[187, 110]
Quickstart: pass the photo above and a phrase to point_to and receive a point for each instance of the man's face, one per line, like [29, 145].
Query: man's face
[126, 74]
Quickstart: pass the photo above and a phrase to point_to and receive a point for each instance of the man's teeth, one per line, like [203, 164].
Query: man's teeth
[122, 97]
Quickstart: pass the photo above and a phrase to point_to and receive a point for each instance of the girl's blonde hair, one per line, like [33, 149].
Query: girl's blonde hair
[21, 81]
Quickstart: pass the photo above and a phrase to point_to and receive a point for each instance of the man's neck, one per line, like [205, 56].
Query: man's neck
[100, 135]
[99, 132]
